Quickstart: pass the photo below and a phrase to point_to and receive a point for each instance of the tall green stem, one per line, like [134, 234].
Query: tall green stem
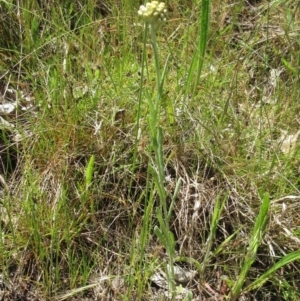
[157, 68]
[163, 233]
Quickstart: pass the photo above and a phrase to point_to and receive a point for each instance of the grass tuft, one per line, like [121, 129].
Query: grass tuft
[149, 167]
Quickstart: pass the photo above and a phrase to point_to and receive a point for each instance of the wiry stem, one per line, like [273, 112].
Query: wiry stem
[156, 59]
[157, 67]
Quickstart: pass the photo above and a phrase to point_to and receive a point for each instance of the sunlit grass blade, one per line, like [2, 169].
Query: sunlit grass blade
[218, 208]
[226, 241]
[204, 25]
[202, 42]
[177, 187]
[89, 172]
[266, 276]
[256, 238]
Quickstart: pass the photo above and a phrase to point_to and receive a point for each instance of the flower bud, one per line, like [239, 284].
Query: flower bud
[153, 13]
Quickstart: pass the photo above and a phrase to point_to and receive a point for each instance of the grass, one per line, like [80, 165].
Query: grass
[110, 179]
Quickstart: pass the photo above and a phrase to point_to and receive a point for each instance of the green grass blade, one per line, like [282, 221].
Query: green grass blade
[204, 25]
[226, 241]
[255, 241]
[89, 172]
[202, 42]
[214, 224]
[266, 276]
[178, 184]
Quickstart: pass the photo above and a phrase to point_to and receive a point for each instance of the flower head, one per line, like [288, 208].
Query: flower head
[154, 13]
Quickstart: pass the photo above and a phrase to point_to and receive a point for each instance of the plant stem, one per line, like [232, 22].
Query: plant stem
[157, 68]
[157, 142]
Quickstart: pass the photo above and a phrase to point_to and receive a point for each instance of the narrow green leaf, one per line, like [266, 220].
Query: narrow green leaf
[35, 29]
[89, 172]
[160, 219]
[177, 187]
[204, 25]
[256, 238]
[170, 109]
[164, 74]
[226, 241]
[266, 276]
[214, 223]
[159, 234]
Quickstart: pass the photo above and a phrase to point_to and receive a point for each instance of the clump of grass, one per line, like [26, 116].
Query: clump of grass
[106, 142]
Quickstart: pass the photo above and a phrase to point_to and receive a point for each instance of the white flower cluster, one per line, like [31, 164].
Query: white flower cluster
[154, 12]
